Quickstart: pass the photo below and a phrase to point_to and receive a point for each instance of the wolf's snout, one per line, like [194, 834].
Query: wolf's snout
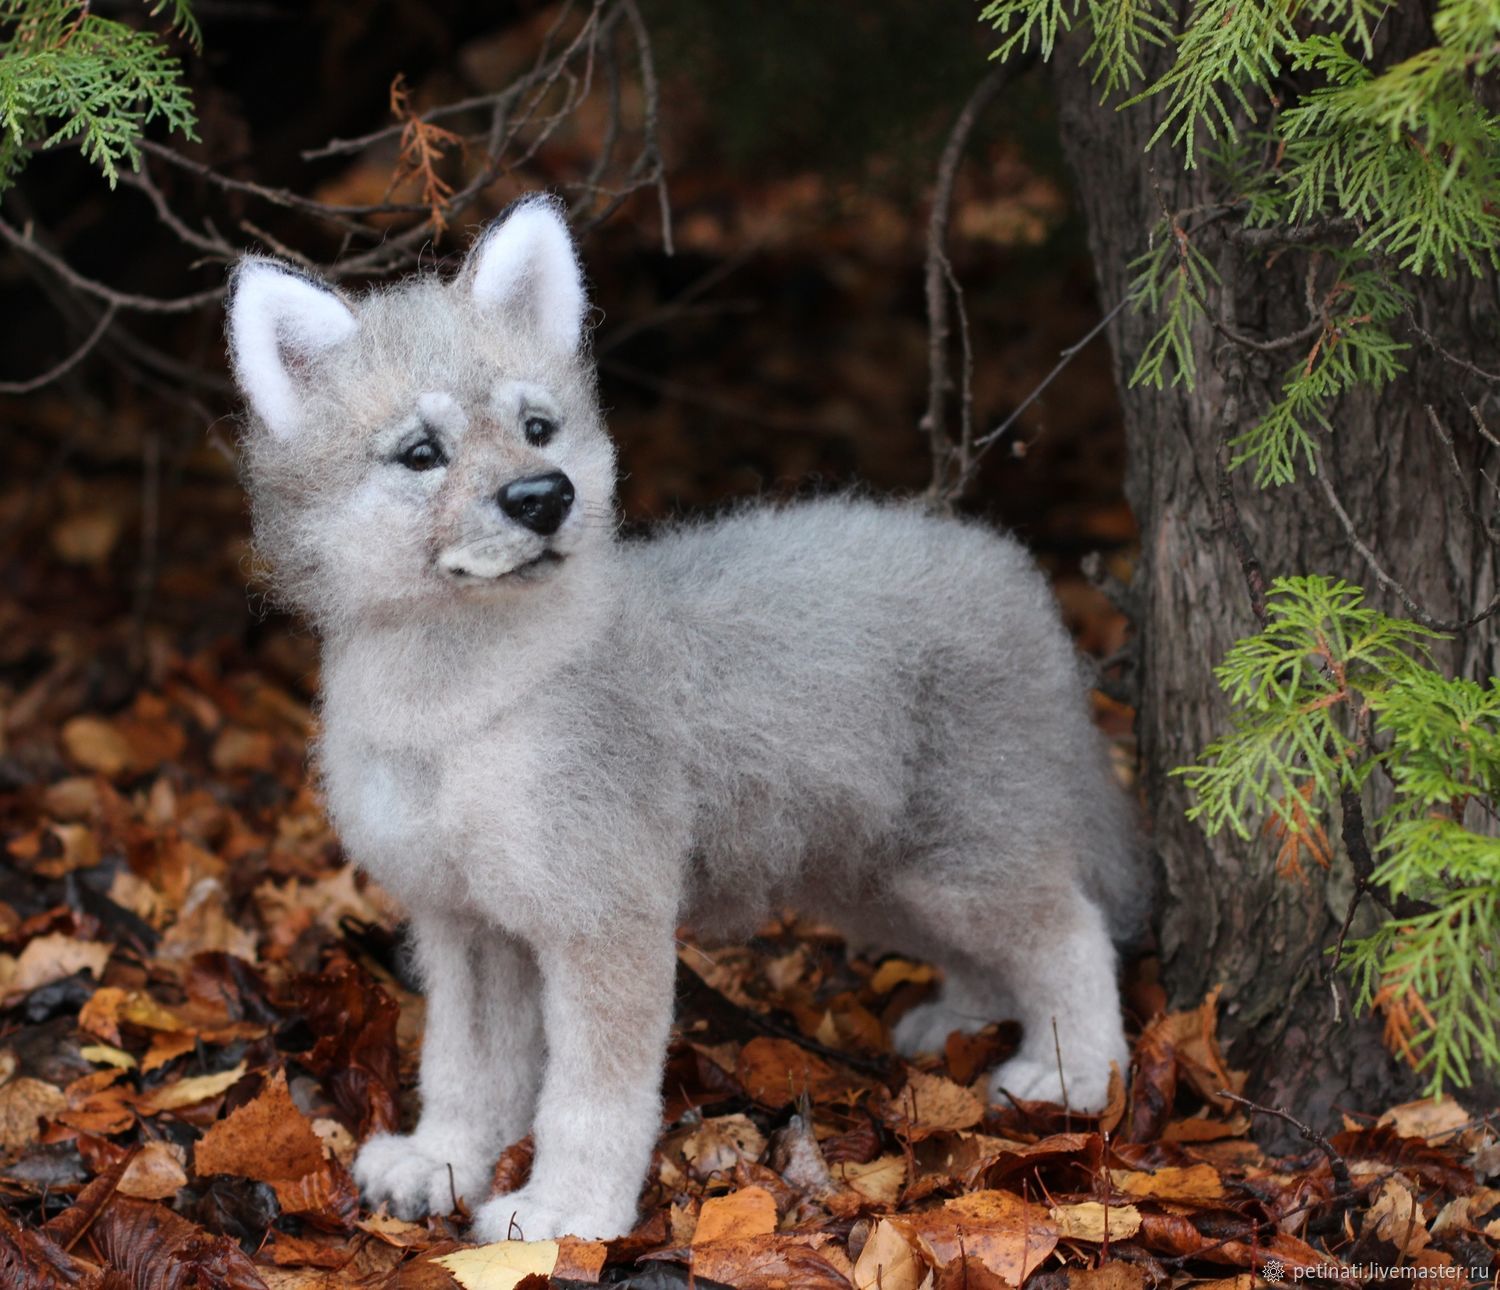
[540, 502]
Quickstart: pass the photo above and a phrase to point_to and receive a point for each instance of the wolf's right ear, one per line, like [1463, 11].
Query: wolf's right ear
[279, 318]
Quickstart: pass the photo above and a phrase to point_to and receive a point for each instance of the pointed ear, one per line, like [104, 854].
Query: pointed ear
[525, 267]
[279, 318]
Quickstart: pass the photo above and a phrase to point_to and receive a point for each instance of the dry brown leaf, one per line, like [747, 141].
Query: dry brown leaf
[1116, 1275]
[776, 1072]
[96, 745]
[268, 1139]
[878, 1181]
[1187, 1183]
[888, 1260]
[722, 1142]
[1396, 1216]
[51, 958]
[203, 924]
[580, 1260]
[1089, 1220]
[777, 1262]
[156, 1173]
[931, 1104]
[1201, 1129]
[750, 1211]
[53, 850]
[894, 972]
[237, 749]
[24, 1102]
[1007, 1235]
[1427, 1118]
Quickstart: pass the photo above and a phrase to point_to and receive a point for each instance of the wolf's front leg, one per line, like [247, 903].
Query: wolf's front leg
[481, 1059]
[607, 1006]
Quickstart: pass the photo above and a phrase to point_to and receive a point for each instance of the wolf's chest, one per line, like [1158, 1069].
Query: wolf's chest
[388, 807]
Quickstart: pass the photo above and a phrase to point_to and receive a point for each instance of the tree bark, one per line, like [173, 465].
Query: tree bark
[1224, 916]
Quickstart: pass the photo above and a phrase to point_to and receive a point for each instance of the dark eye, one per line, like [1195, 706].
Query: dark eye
[539, 430]
[425, 454]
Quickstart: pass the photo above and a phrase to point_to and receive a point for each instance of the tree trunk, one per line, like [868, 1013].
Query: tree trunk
[1224, 916]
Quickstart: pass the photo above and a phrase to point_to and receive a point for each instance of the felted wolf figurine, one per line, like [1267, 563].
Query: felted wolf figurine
[555, 746]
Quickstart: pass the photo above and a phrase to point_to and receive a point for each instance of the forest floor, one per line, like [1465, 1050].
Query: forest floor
[202, 1013]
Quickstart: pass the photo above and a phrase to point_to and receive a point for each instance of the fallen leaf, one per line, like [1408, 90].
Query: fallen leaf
[1396, 1216]
[579, 1260]
[96, 745]
[1189, 1183]
[1090, 1220]
[185, 1092]
[501, 1266]
[722, 1142]
[879, 1181]
[776, 1072]
[156, 1173]
[776, 1262]
[1116, 1275]
[750, 1211]
[150, 1246]
[108, 1055]
[888, 1261]
[894, 972]
[51, 958]
[1428, 1118]
[931, 1104]
[23, 1103]
[1006, 1234]
[268, 1139]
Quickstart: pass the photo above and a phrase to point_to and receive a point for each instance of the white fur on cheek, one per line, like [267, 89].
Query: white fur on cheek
[528, 265]
[272, 311]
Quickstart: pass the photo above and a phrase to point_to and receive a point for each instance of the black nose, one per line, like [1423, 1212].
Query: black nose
[539, 502]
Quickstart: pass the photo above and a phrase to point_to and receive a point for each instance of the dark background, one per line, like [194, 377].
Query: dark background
[800, 145]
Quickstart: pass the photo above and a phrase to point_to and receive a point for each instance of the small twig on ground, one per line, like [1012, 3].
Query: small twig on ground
[1336, 1163]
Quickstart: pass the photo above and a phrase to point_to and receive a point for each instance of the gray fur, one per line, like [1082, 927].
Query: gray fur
[844, 706]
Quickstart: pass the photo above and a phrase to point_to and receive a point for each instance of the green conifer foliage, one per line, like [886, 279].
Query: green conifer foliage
[70, 76]
[1400, 163]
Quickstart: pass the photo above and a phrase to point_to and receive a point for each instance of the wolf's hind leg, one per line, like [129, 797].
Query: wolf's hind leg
[967, 1002]
[481, 1062]
[1041, 955]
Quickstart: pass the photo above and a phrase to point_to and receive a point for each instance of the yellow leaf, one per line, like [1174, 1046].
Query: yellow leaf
[501, 1266]
[1090, 1221]
[107, 1055]
[880, 1180]
[185, 1092]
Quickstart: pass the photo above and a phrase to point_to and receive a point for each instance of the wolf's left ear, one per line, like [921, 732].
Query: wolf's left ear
[278, 319]
[524, 265]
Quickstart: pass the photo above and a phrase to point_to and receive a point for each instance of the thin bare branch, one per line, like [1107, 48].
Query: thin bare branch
[128, 300]
[57, 372]
[1413, 608]
[939, 377]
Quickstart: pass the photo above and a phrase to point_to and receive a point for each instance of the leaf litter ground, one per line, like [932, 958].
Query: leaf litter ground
[203, 1012]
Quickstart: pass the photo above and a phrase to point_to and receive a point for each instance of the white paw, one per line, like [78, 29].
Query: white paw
[1030, 1079]
[925, 1029]
[531, 1216]
[419, 1174]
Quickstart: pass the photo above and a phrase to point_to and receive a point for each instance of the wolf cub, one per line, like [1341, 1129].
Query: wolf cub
[555, 746]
